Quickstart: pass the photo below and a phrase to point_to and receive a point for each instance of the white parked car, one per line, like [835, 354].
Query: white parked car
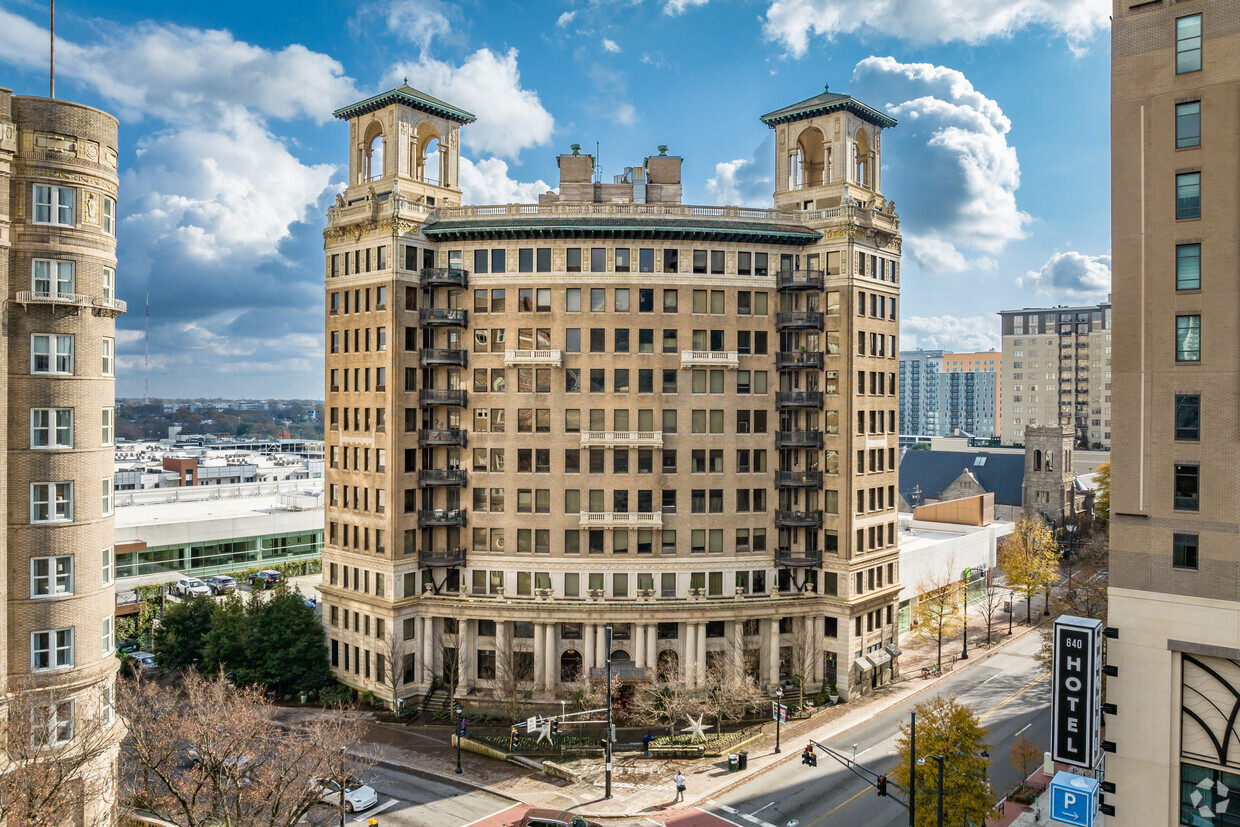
[190, 587]
[357, 796]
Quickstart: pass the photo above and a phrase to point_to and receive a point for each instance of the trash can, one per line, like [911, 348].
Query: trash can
[733, 762]
[742, 762]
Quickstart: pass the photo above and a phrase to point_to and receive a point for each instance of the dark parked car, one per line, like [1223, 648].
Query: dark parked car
[555, 818]
[221, 584]
[265, 579]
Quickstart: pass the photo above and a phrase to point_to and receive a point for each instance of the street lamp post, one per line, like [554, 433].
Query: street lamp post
[1011, 609]
[779, 696]
[459, 710]
[965, 654]
[921, 762]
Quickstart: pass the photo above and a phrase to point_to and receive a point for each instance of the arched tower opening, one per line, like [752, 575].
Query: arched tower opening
[372, 153]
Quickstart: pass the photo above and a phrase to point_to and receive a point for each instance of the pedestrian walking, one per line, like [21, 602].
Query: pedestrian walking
[680, 786]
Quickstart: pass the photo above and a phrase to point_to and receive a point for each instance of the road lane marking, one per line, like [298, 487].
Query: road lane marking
[864, 751]
[497, 813]
[991, 678]
[387, 805]
[1022, 729]
[763, 807]
[733, 811]
[1012, 697]
[823, 817]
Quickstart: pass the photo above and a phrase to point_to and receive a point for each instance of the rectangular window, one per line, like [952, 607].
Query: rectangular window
[109, 285]
[1188, 417]
[51, 502]
[109, 638]
[1188, 338]
[54, 205]
[1184, 551]
[1188, 195]
[1187, 124]
[51, 428]
[108, 356]
[1187, 488]
[107, 565]
[1188, 267]
[108, 215]
[51, 576]
[598, 259]
[51, 353]
[1188, 44]
[51, 650]
[572, 260]
[51, 278]
[105, 495]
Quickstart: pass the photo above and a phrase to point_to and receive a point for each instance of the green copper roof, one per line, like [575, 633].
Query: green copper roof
[620, 227]
[409, 96]
[823, 103]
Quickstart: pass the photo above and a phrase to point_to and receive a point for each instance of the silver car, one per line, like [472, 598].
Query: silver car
[190, 587]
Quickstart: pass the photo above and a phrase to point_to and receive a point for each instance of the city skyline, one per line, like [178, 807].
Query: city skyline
[231, 157]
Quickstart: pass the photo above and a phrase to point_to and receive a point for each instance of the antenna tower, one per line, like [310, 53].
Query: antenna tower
[146, 341]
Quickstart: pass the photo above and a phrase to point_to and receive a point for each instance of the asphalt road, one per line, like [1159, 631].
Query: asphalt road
[1010, 692]
[407, 800]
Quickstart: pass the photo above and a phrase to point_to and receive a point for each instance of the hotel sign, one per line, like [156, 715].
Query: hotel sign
[1076, 692]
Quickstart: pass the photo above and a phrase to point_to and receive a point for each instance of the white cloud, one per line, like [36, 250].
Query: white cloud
[610, 45]
[962, 335]
[793, 22]
[934, 255]
[954, 176]
[674, 7]
[510, 118]
[487, 181]
[418, 21]
[744, 183]
[566, 18]
[624, 113]
[1071, 275]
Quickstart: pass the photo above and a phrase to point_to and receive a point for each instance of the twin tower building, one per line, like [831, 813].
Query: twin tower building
[610, 408]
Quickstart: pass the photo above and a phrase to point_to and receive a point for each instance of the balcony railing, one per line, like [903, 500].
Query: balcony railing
[621, 519]
[799, 320]
[554, 358]
[792, 360]
[442, 436]
[800, 558]
[435, 396]
[621, 439]
[798, 280]
[798, 399]
[115, 306]
[798, 479]
[454, 317]
[804, 519]
[443, 356]
[32, 297]
[441, 516]
[710, 358]
[798, 439]
[444, 277]
[442, 476]
[444, 558]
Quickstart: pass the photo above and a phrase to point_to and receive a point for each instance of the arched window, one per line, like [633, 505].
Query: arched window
[372, 161]
[811, 156]
[1037, 460]
[863, 160]
[427, 157]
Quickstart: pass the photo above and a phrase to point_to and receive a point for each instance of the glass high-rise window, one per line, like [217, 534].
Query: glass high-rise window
[1188, 44]
[1188, 195]
[1188, 267]
[1188, 338]
[1187, 124]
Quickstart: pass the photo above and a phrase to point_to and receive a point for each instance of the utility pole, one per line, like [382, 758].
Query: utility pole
[608, 745]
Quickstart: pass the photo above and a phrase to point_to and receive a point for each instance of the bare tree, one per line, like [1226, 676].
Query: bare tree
[58, 752]
[391, 666]
[514, 681]
[803, 653]
[668, 701]
[212, 754]
[731, 689]
[937, 612]
[993, 599]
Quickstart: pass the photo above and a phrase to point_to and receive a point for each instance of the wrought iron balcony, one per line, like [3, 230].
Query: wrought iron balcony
[799, 320]
[710, 359]
[443, 316]
[621, 439]
[798, 479]
[436, 396]
[798, 280]
[442, 436]
[799, 519]
[798, 439]
[804, 360]
[798, 399]
[441, 516]
[443, 558]
[455, 356]
[800, 558]
[442, 476]
[555, 358]
[444, 277]
[621, 519]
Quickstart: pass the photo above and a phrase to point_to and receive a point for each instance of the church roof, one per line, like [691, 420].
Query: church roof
[823, 103]
[411, 97]
[932, 471]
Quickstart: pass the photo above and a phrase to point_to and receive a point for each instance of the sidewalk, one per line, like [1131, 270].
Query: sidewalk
[643, 786]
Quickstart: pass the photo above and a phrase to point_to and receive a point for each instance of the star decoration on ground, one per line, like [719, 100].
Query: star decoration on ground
[696, 728]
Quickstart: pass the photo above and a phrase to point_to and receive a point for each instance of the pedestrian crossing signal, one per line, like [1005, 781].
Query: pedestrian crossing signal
[512, 739]
[555, 728]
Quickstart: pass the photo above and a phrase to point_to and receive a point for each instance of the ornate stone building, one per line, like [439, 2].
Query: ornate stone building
[610, 408]
[58, 189]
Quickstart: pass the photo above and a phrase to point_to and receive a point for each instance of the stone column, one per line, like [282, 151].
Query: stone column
[690, 650]
[600, 647]
[815, 637]
[540, 657]
[652, 645]
[639, 645]
[503, 644]
[701, 653]
[772, 652]
[587, 644]
[464, 669]
[736, 643]
[552, 659]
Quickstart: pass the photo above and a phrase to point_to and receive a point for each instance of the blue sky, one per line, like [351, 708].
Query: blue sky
[999, 166]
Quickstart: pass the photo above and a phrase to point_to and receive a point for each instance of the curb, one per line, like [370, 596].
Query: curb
[445, 778]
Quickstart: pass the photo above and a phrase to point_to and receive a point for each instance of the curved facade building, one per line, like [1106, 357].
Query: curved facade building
[610, 408]
[58, 234]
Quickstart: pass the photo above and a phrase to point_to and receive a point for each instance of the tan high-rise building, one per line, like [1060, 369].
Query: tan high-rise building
[1175, 500]
[1057, 370]
[610, 408]
[58, 169]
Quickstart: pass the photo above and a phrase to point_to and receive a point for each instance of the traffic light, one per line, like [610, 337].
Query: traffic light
[512, 739]
[882, 785]
[555, 728]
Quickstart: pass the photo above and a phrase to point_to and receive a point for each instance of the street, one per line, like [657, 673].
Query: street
[1009, 691]
[407, 800]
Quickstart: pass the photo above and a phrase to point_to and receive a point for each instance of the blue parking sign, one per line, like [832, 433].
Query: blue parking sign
[1074, 799]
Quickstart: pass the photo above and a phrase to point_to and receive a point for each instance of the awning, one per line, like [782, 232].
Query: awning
[879, 658]
[894, 651]
[863, 664]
